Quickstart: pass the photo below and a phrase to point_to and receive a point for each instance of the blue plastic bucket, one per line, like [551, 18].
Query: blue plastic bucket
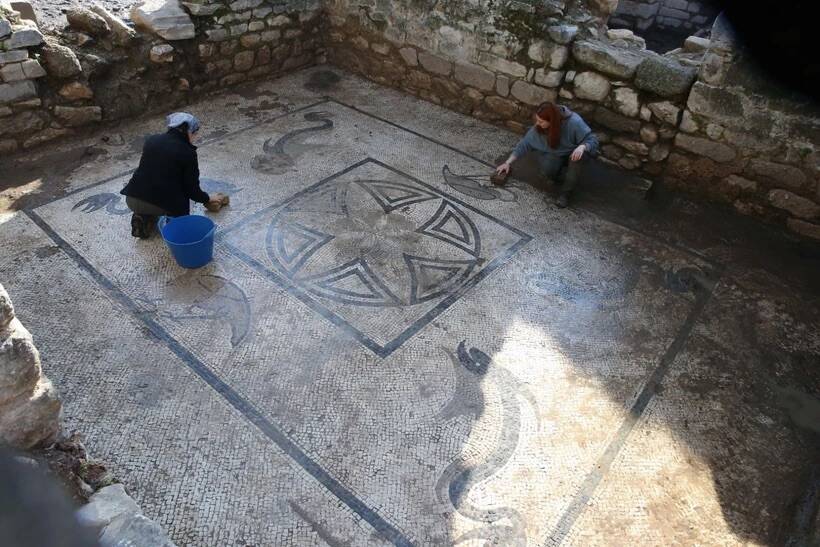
[190, 238]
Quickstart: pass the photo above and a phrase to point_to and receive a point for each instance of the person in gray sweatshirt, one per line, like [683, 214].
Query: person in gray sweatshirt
[562, 140]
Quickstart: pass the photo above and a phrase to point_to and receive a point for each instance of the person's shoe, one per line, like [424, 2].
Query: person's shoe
[141, 226]
[563, 200]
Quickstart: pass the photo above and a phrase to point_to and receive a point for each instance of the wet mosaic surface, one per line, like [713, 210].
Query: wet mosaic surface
[389, 350]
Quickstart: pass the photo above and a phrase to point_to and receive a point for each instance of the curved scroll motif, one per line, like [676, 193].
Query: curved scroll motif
[471, 368]
[280, 155]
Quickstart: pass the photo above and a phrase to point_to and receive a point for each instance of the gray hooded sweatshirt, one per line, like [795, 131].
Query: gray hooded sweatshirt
[574, 132]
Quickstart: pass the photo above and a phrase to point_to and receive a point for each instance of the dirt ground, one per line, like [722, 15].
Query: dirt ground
[50, 12]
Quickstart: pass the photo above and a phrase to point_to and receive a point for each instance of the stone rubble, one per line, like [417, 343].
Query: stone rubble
[29, 406]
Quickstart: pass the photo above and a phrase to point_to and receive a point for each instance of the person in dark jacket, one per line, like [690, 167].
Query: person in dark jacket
[167, 178]
[563, 142]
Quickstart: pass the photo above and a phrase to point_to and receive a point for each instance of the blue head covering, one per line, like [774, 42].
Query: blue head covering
[178, 118]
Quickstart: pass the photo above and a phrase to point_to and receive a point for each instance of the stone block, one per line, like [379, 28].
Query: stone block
[612, 61]
[239, 29]
[19, 363]
[532, 94]
[804, 228]
[22, 122]
[502, 86]
[270, 36]
[14, 56]
[504, 108]
[75, 91]
[419, 80]
[629, 162]
[409, 55]
[250, 41]
[134, 529]
[17, 91]
[261, 13]
[60, 61]
[25, 38]
[498, 64]
[162, 53]
[550, 78]
[784, 175]
[562, 34]
[217, 34]
[201, 9]
[741, 183]
[625, 101]
[255, 26]
[615, 121]
[33, 419]
[104, 506]
[242, 5]
[87, 21]
[12, 73]
[665, 111]
[659, 152]
[649, 134]
[475, 76]
[714, 102]
[797, 206]
[243, 61]
[664, 77]
[672, 13]
[591, 86]
[704, 147]
[631, 145]
[380, 48]
[32, 69]
[5, 28]
[165, 18]
[279, 21]
[77, 116]
[435, 64]
[696, 44]
[688, 124]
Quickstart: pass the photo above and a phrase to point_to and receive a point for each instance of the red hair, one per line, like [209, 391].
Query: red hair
[550, 112]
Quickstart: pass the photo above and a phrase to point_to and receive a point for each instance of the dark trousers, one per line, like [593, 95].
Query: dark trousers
[552, 167]
[140, 207]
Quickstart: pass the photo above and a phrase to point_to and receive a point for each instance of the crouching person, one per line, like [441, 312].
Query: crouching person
[167, 178]
[564, 143]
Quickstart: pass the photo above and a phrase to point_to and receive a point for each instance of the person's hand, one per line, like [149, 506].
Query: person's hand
[216, 202]
[578, 153]
[503, 169]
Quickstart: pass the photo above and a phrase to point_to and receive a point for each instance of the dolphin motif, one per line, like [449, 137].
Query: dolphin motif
[105, 200]
[278, 160]
[471, 368]
[205, 297]
[472, 186]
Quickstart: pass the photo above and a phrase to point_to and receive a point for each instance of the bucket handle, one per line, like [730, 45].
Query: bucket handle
[162, 222]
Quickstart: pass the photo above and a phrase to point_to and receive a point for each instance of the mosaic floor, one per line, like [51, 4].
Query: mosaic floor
[388, 350]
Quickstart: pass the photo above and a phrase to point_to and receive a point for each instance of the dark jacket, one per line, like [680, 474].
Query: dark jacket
[168, 174]
[574, 131]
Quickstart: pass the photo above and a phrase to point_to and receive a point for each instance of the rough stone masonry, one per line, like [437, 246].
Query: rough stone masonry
[700, 116]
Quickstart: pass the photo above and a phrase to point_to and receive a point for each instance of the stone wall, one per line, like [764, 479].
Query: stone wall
[99, 69]
[747, 141]
[696, 117]
[499, 66]
[676, 15]
[29, 407]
